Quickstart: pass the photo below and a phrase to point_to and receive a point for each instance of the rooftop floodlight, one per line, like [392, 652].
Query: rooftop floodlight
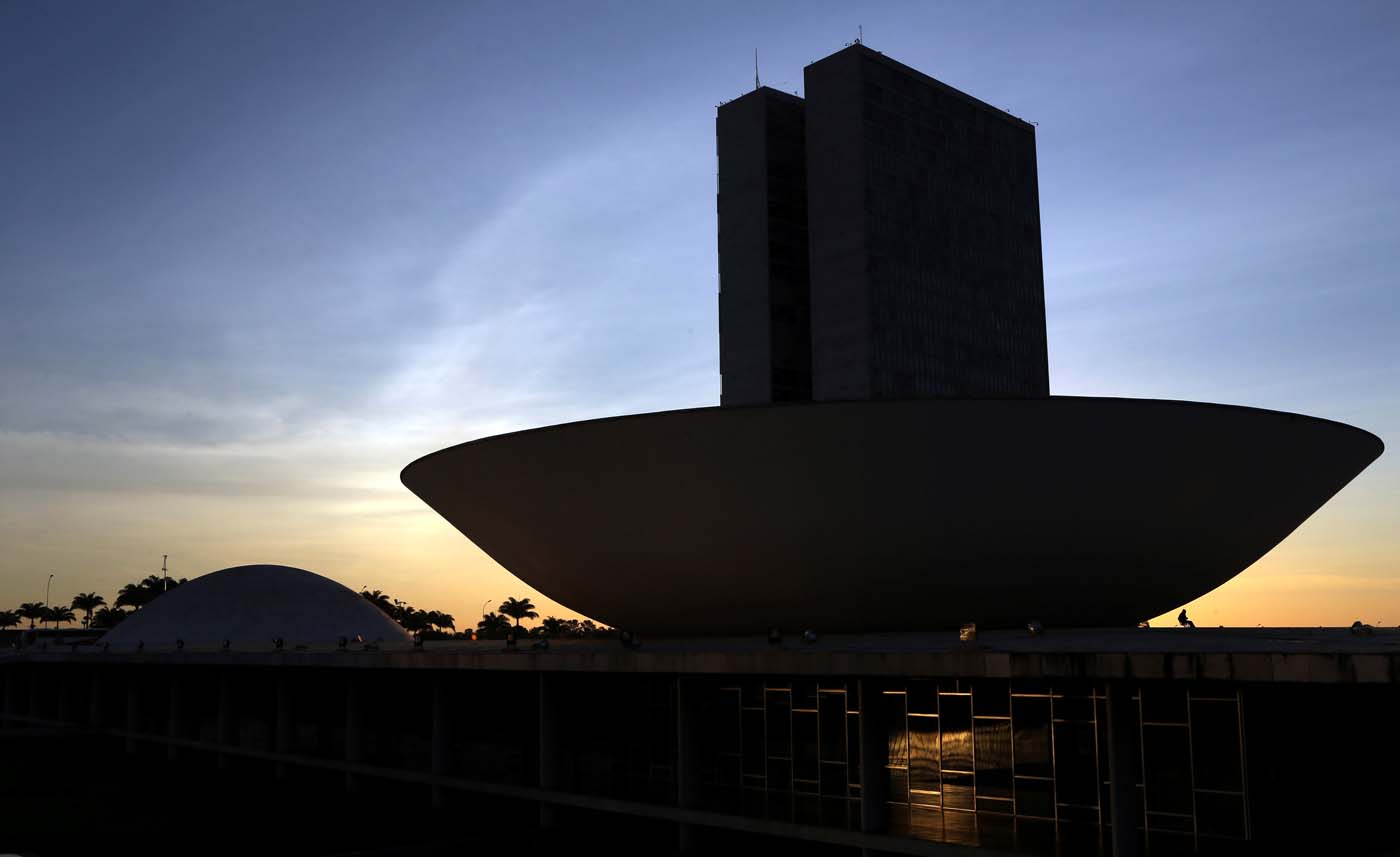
[359, 638]
[775, 636]
[809, 636]
[968, 632]
[1034, 628]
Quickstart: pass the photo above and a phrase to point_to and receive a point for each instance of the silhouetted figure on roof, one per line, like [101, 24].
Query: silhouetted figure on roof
[1183, 621]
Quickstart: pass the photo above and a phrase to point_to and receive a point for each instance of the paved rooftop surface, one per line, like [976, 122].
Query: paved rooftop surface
[1327, 655]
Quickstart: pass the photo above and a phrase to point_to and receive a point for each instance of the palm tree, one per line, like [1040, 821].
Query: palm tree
[108, 617]
[8, 619]
[88, 602]
[380, 600]
[31, 610]
[415, 621]
[133, 595]
[58, 614]
[143, 592]
[442, 620]
[518, 609]
[553, 626]
[493, 625]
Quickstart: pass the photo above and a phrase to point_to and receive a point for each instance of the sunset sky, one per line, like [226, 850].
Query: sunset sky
[257, 257]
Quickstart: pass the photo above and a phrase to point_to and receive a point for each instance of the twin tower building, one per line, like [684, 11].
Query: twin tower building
[878, 239]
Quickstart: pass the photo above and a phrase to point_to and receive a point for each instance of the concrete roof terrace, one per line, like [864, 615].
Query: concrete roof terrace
[1317, 655]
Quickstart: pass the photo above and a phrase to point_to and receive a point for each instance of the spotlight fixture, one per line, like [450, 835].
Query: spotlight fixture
[1034, 628]
[809, 636]
[775, 636]
[968, 632]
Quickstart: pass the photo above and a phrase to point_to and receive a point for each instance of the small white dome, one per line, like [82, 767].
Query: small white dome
[252, 604]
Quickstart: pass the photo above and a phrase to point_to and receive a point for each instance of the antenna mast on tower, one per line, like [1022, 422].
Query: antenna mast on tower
[755, 69]
[164, 574]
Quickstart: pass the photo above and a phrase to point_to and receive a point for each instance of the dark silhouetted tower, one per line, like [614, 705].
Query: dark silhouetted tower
[922, 236]
[765, 334]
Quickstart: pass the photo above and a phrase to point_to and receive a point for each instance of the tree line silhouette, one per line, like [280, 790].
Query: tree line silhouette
[99, 615]
[497, 625]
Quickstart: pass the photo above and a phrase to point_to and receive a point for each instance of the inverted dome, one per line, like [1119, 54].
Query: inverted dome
[891, 515]
[252, 604]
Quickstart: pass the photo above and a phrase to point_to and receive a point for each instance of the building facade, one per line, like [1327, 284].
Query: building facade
[1229, 742]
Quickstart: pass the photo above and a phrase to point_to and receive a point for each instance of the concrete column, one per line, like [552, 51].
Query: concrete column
[133, 711]
[7, 689]
[442, 739]
[94, 712]
[549, 746]
[874, 755]
[354, 730]
[62, 694]
[36, 685]
[441, 749]
[689, 708]
[282, 728]
[223, 724]
[1123, 799]
[174, 725]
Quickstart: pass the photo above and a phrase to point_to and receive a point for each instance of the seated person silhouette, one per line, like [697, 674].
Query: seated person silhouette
[1183, 621]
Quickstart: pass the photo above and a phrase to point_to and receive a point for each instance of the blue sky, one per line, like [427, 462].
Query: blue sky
[256, 257]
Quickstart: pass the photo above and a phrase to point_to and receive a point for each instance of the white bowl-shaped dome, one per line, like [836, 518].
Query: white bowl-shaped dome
[252, 605]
